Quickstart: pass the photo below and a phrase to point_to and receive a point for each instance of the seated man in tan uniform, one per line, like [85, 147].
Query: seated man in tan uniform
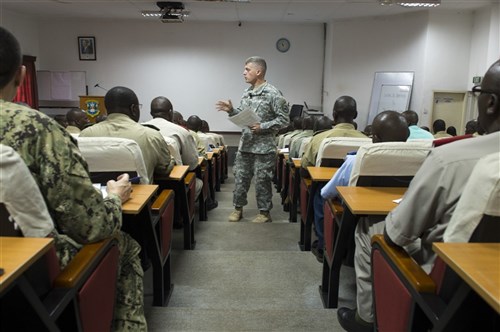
[344, 113]
[123, 114]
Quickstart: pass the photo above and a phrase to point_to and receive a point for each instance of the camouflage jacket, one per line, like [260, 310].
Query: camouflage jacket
[78, 210]
[268, 103]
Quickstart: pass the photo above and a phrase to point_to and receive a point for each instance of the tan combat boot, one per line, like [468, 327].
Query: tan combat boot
[262, 217]
[236, 215]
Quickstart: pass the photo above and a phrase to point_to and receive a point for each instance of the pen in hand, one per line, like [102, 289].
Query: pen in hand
[135, 180]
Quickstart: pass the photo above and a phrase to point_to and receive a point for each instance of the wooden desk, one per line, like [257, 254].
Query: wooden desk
[319, 175]
[210, 155]
[178, 172]
[17, 254]
[200, 161]
[357, 202]
[140, 196]
[370, 200]
[478, 264]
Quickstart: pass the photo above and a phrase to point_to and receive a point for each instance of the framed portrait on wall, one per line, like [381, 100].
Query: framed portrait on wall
[86, 48]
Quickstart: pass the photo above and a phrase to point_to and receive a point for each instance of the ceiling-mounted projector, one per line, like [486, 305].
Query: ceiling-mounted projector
[172, 12]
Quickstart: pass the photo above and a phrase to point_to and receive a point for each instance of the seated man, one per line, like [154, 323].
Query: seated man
[79, 212]
[194, 125]
[77, 120]
[344, 113]
[423, 215]
[439, 129]
[415, 131]
[307, 131]
[388, 126]
[163, 113]
[123, 114]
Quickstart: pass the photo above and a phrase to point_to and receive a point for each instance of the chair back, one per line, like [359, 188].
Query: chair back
[108, 157]
[388, 164]
[332, 150]
[22, 208]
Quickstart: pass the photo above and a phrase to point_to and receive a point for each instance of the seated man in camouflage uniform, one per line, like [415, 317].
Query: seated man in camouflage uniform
[80, 214]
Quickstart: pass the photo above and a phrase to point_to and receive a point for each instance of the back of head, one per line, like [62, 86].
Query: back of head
[438, 125]
[61, 119]
[10, 57]
[297, 123]
[471, 127]
[76, 117]
[161, 107]
[260, 62]
[121, 100]
[390, 126]
[307, 123]
[368, 130]
[178, 119]
[344, 110]
[204, 126]
[194, 123]
[451, 131]
[322, 123]
[411, 117]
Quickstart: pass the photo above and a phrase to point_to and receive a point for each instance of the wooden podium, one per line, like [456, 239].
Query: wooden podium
[93, 106]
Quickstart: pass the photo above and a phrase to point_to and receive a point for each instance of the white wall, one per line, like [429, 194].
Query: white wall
[485, 41]
[193, 64]
[447, 54]
[356, 49]
[24, 28]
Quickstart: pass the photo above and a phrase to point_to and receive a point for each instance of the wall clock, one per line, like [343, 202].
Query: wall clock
[283, 45]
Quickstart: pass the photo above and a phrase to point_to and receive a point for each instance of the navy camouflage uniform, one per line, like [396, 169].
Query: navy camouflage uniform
[257, 151]
[80, 214]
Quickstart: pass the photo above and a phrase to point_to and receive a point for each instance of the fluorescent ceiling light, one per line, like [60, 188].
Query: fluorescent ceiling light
[419, 3]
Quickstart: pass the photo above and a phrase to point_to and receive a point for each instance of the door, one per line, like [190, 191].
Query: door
[450, 107]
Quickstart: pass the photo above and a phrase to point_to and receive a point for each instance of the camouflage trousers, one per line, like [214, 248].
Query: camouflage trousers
[245, 167]
[129, 306]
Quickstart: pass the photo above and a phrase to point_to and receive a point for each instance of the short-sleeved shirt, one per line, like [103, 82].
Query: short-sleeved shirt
[433, 194]
[340, 130]
[418, 133]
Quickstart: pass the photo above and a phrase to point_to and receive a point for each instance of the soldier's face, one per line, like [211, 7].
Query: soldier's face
[251, 73]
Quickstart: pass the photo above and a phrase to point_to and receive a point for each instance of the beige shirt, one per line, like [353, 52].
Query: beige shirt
[186, 143]
[154, 148]
[441, 134]
[73, 130]
[340, 130]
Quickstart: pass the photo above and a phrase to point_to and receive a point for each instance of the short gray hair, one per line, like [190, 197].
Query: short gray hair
[259, 62]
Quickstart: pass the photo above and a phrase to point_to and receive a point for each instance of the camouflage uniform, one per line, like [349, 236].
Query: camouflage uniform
[79, 212]
[257, 151]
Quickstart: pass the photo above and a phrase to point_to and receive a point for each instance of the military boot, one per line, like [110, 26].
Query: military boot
[262, 217]
[236, 215]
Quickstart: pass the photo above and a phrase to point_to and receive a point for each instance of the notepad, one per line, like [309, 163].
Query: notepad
[101, 188]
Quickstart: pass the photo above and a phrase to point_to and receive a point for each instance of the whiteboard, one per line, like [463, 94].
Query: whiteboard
[391, 91]
[61, 85]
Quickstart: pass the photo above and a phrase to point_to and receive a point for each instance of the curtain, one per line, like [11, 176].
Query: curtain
[28, 91]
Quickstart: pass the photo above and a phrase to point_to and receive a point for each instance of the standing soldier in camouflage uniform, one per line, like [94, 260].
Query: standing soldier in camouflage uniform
[257, 150]
[80, 214]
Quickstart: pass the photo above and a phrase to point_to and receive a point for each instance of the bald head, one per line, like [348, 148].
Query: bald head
[390, 126]
[322, 123]
[344, 110]
[161, 107]
[488, 102]
[124, 101]
[194, 123]
[307, 123]
[411, 117]
[76, 117]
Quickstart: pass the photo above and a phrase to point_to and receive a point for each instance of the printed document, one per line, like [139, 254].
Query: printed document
[245, 118]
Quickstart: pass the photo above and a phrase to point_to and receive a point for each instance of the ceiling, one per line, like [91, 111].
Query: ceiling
[284, 11]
